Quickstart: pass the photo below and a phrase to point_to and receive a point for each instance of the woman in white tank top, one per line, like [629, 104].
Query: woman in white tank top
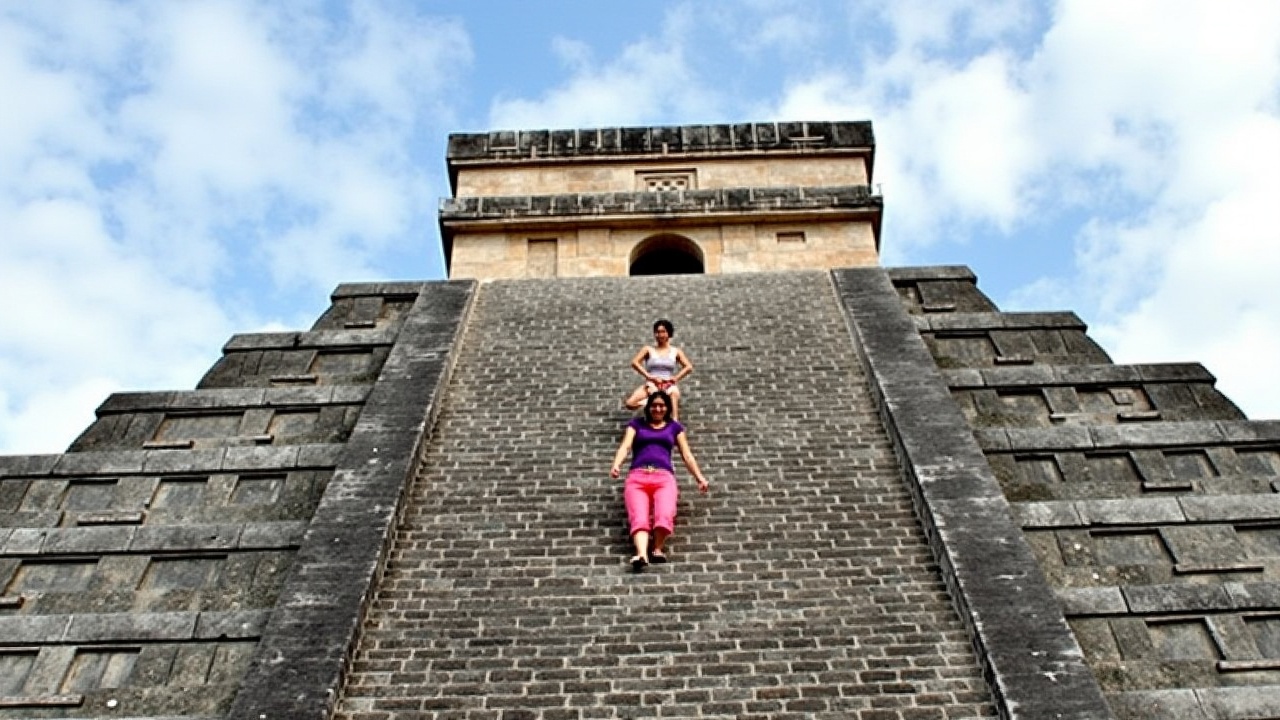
[662, 366]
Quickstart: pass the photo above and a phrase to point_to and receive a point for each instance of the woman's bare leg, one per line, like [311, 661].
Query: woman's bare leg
[659, 540]
[640, 539]
[636, 399]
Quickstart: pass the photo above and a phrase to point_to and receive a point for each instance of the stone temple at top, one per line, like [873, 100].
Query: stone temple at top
[661, 200]
[921, 507]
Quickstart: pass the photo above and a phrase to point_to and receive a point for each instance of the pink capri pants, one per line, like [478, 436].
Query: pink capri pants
[650, 492]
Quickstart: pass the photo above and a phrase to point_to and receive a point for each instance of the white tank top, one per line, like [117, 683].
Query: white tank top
[661, 366]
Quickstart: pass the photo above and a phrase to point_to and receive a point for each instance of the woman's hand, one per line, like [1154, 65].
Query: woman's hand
[615, 471]
[703, 485]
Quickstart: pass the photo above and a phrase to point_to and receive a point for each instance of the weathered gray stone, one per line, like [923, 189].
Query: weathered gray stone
[1253, 596]
[1092, 601]
[1158, 705]
[340, 558]
[259, 536]
[1047, 514]
[130, 627]
[1251, 431]
[87, 540]
[1131, 512]
[26, 465]
[318, 455]
[1153, 599]
[194, 537]
[240, 459]
[170, 461]
[110, 462]
[25, 541]
[982, 546]
[1056, 438]
[1225, 508]
[376, 289]
[931, 272]
[1156, 434]
[21, 630]
[244, 624]
[1239, 703]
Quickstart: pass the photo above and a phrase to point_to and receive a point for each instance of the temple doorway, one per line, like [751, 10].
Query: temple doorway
[667, 255]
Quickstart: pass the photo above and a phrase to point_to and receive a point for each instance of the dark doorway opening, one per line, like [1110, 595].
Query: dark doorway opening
[667, 255]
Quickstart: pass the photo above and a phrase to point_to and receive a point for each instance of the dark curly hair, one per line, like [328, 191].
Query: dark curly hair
[671, 329]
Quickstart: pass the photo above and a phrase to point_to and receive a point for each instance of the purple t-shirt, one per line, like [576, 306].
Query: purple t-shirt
[653, 447]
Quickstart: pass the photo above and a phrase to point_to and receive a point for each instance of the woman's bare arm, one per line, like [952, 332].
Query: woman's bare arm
[686, 454]
[686, 366]
[637, 363]
[624, 447]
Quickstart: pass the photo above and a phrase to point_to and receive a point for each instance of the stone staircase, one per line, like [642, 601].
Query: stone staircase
[802, 586]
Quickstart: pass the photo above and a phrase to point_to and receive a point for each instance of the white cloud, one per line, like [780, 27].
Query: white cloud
[954, 142]
[1191, 276]
[1160, 127]
[78, 301]
[165, 157]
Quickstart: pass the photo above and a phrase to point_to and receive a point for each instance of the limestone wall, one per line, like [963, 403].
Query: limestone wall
[702, 173]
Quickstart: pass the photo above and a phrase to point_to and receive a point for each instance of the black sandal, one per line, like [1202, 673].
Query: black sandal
[638, 562]
[657, 558]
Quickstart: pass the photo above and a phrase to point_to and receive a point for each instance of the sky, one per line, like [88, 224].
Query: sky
[173, 172]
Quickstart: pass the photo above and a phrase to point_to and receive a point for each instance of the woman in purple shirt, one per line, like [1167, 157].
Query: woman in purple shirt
[651, 485]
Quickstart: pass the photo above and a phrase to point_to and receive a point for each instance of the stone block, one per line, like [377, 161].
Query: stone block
[1032, 515]
[1239, 703]
[239, 625]
[1253, 596]
[1155, 599]
[135, 402]
[318, 455]
[240, 459]
[1182, 704]
[30, 520]
[294, 396]
[33, 630]
[1131, 512]
[107, 462]
[1230, 508]
[1250, 431]
[87, 540]
[267, 536]
[25, 541]
[1092, 601]
[127, 627]
[964, 378]
[1158, 434]
[1098, 374]
[185, 538]
[159, 462]
[246, 342]
[926, 273]
[13, 466]
[1055, 438]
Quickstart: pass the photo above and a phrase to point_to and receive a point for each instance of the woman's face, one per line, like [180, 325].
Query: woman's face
[661, 336]
[658, 410]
